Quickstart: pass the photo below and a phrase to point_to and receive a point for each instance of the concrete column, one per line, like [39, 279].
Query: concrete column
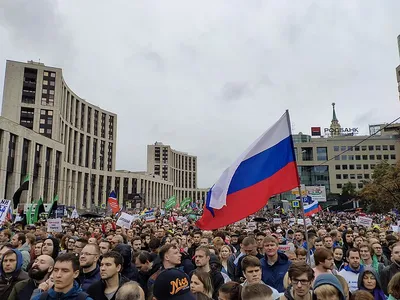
[75, 188]
[96, 189]
[14, 181]
[3, 162]
[30, 167]
[121, 192]
[81, 191]
[52, 172]
[98, 154]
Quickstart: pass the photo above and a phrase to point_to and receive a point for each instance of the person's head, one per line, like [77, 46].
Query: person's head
[327, 286]
[130, 290]
[136, 243]
[197, 237]
[38, 248]
[70, 244]
[365, 251]
[110, 265]
[225, 252]
[230, 291]
[260, 239]
[299, 236]
[41, 267]
[66, 270]
[144, 261]
[396, 253]
[338, 254]
[328, 241]
[116, 240]
[92, 240]
[251, 267]
[324, 258]
[89, 256]
[218, 242]
[368, 280]
[353, 258]
[18, 240]
[301, 254]
[160, 233]
[377, 249]
[318, 243]
[170, 256]
[301, 276]
[362, 295]
[202, 256]
[249, 246]
[105, 246]
[382, 237]
[345, 286]
[256, 291]
[358, 241]
[172, 284]
[51, 247]
[271, 246]
[79, 245]
[5, 236]
[291, 255]
[11, 261]
[394, 286]
[200, 282]
[204, 241]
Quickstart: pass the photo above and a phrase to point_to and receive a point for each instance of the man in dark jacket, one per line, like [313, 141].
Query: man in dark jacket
[111, 278]
[389, 271]
[129, 269]
[274, 264]
[88, 261]
[38, 273]
[11, 272]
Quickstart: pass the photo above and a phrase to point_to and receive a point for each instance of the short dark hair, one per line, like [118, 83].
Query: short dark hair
[257, 290]
[321, 254]
[66, 257]
[164, 249]
[82, 240]
[352, 250]
[118, 259]
[144, 257]
[154, 243]
[136, 238]
[299, 268]
[250, 261]
[21, 237]
[205, 249]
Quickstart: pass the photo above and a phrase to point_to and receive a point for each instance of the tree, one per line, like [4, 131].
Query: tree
[383, 192]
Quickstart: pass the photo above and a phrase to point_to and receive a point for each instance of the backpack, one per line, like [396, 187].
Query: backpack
[81, 296]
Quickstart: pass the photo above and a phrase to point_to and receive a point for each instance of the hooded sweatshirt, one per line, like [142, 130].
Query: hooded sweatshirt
[377, 292]
[331, 280]
[7, 281]
[129, 270]
[72, 294]
[351, 277]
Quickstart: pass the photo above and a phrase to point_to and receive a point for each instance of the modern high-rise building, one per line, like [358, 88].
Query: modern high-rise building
[178, 167]
[66, 144]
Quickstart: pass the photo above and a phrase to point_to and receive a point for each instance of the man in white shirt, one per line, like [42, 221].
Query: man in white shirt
[351, 272]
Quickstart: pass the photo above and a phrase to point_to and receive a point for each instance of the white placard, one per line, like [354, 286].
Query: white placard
[364, 221]
[251, 226]
[300, 221]
[54, 225]
[4, 206]
[125, 220]
[398, 223]
[396, 229]
[308, 222]
[292, 220]
[74, 214]
[277, 220]
[150, 217]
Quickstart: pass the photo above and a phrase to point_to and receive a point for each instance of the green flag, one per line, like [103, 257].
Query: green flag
[53, 206]
[185, 203]
[24, 187]
[171, 202]
[29, 213]
[38, 210]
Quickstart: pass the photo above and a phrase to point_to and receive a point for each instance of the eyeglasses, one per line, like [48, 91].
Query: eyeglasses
[87, 254]
[302, 282]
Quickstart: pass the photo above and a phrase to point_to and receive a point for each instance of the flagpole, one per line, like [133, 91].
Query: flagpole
[299, 187]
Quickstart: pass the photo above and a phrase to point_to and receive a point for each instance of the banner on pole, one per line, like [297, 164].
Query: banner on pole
[277, 221]
[125, 220]
[4, 207]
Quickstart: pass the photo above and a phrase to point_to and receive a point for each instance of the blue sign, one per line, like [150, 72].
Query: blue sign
[307, 200]
[296, 204]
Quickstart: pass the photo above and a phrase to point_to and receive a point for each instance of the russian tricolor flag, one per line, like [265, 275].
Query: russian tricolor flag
[266, 168]
[312, 208]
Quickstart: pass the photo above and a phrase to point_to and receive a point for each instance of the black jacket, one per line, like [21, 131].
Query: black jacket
[96, 290]
[129, 270]
[387, 273]
[144, 278]
[23, 290]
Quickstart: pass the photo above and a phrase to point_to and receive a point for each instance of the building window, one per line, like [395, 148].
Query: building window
[366, 176]
[359, 176]
[358, 167]
[386, 157]
[338, 176]
[337, 157]
[344, 157]
[364, 148]
[357, 148]
[365, 157]
[379, 157]
[344, 167]
[351, 157]
[372, 166]
[322, 153]
[360, 185]
[358, 157]
[351, 167]
[337, 167]
[342, 148]
[393, 156]
[335, 148]
[385, 147]
[307, 154]
[372, 157]
[345, 176]
[352, 176]
[339, 185]
[391, 147]
[365, 167]
[378, 148]
[371, 148]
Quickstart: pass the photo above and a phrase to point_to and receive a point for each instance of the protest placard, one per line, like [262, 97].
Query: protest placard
[74, 214]
[284, 248]
[277, 220]
[125, 220]
[54, 225]
[292, 220]
[364, 221]
[4, 206]
[251, 226]
[308, 222]
[300, 221]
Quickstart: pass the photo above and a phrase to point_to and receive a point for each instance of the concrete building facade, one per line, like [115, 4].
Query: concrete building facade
[66, 144]
[178, 167]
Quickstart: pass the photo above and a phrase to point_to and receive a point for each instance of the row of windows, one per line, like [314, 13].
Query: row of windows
[355, 167]
[366, 157]
[352, 176]
[364, 148]
[360, 185]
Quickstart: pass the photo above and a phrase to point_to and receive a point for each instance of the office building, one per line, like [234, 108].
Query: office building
[66, 144]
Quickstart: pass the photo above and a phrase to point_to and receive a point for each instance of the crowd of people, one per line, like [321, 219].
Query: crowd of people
[171, 259]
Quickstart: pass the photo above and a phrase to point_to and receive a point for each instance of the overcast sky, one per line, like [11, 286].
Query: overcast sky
[208, 77]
